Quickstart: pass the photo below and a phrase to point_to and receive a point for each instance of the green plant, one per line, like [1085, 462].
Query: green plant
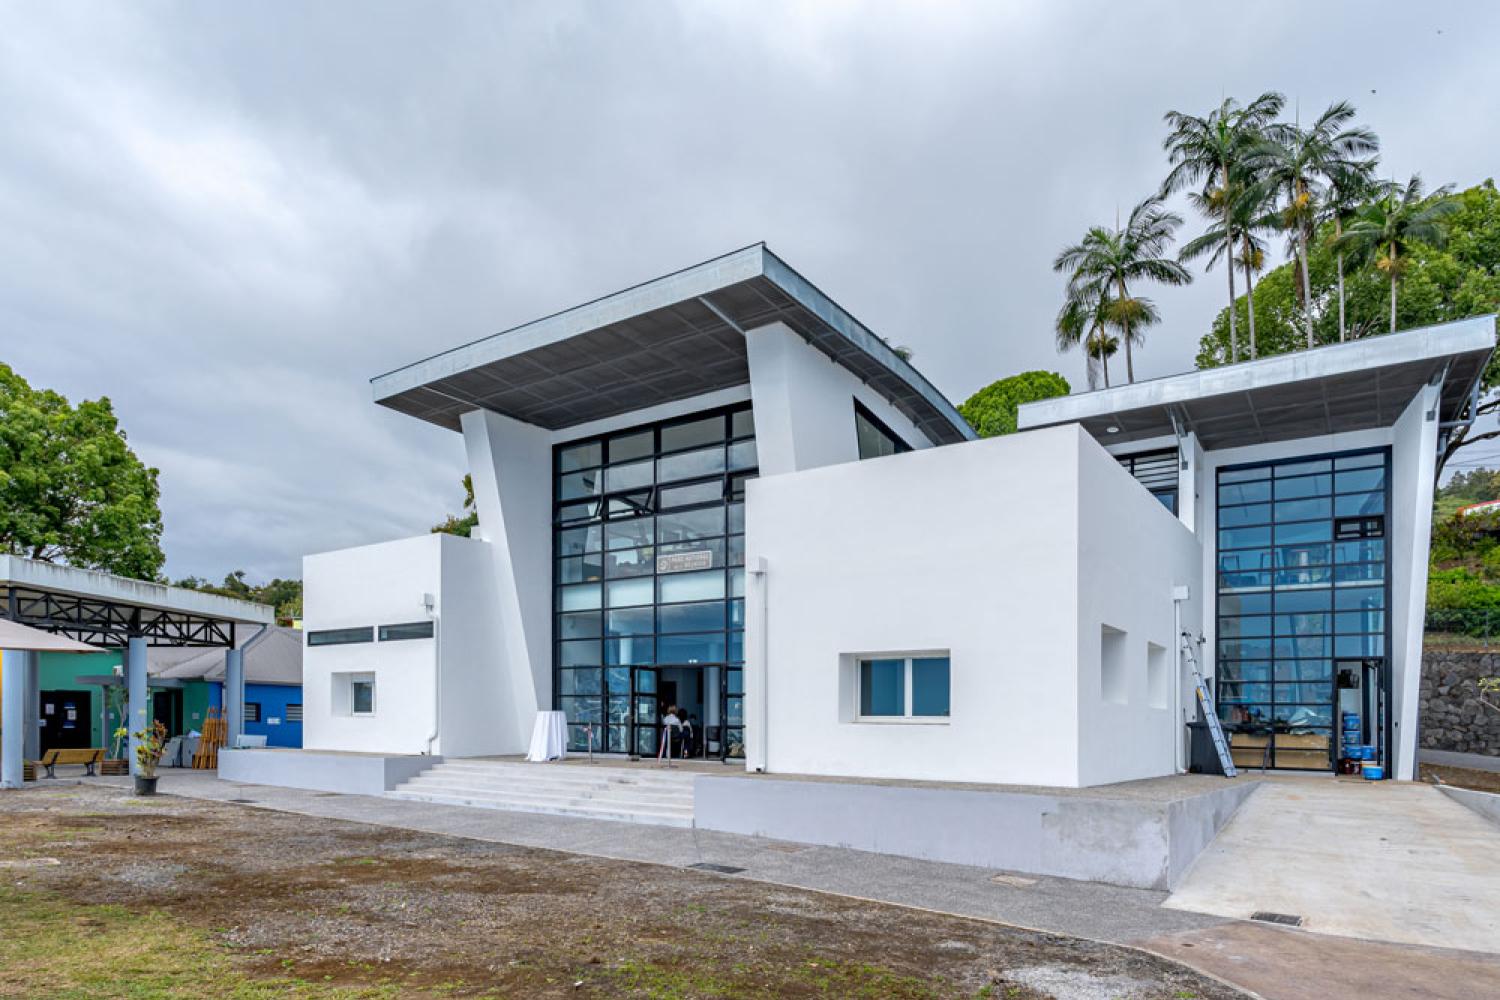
[992, 410]
[150, 745]
[1385, 229]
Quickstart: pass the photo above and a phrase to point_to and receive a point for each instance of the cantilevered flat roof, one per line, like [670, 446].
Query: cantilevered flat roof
[678, 336]
[104, 610]
[1359, 385]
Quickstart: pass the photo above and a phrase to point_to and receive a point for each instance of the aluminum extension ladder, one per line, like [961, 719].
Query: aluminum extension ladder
[1206, 703]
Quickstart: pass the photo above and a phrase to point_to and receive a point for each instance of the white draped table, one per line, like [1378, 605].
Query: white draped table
[549, 737]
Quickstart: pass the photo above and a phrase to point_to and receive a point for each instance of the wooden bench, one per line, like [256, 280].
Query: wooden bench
[86, 758]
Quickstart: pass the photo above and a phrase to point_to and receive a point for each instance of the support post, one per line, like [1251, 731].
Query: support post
[137, 710]
[33, 704]
[13, 724]
[234, 695]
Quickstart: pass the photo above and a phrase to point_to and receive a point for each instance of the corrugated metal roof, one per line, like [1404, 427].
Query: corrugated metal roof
[271, 657]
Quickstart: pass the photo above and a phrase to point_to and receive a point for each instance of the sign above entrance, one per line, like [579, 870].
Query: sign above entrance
[682, 562]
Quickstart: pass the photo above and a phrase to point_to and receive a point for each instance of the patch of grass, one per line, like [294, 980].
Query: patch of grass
[59, 950]
[820, 977]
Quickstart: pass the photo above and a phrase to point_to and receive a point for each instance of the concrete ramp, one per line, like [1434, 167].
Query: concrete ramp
[1382, 861]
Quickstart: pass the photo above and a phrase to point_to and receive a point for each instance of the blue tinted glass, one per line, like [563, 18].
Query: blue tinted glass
[580, 682]
[1311, 531]
[1245, 604]
[1245, 493]
[1304, 600]
[1238, 517]
[1243, 581]
[882, 687]
[1302, 510]
[1360, 479]
[929, 686]
[692, 617]
[579, 625]
[1359, 645]
[1304, 486]
[1245, 670]
[1356, 598]
[689, 649]
[1304, 624]
[1236, 628]
[736, 647]
[1359, 503]
[628, 651]
[630, 621]
[1244, 538]
[1244, 649]
[579, 653]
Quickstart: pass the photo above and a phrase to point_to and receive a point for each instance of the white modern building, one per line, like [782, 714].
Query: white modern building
[718, 490]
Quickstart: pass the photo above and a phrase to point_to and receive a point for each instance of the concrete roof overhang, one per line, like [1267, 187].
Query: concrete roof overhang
[1359, 385]
[105, 610]
[672, 338]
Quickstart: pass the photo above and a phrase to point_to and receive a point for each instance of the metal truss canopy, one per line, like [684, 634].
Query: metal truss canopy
[673, 338]
[107, 611]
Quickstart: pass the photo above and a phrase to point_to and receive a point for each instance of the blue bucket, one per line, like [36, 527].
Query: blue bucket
[1373, 772]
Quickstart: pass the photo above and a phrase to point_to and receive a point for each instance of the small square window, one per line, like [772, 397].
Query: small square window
[293, 712]
[362, 697]
[904, 687]
[252, 711]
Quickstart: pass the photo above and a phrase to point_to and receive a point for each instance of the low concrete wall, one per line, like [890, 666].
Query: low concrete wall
[1477, 761]
[351, 773]
[1142, 843]
[1485, 804]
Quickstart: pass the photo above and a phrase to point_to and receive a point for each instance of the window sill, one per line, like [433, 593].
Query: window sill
[902, 720]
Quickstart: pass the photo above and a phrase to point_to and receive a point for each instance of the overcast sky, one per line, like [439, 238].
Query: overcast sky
[228, 217]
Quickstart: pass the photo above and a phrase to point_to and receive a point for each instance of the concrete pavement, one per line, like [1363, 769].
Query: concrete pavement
[1270, 962]
[1384, 861]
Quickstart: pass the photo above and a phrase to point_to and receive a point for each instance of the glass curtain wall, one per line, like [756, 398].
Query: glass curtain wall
[650, 550]
[1301, 590]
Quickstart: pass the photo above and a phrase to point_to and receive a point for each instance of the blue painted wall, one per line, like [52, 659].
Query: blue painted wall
[273, 700]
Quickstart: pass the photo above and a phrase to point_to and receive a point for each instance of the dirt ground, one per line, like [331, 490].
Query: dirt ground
[343, 903]
[1462, 777]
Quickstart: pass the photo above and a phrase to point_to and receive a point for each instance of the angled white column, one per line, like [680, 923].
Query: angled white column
[511, 466]
[12, 725]
[138, 711]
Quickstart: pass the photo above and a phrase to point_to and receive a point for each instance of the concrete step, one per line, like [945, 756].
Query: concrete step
[504, 786]
[548, 806]
[621, 794]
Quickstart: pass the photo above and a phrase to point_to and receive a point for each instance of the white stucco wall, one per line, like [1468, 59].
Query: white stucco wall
[972, 549]
[366, 586]
[477, 715]
[804, 404]
[1132, 556]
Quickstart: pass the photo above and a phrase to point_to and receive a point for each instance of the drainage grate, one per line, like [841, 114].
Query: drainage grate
[242, 802]
[705, 866]
[1267, 917]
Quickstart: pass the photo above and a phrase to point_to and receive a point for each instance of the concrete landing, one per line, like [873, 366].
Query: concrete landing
[1381, 861]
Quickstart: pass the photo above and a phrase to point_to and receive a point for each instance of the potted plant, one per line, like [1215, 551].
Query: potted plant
[152, 743]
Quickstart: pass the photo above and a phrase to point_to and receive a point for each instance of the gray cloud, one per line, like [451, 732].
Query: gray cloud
[227, 218]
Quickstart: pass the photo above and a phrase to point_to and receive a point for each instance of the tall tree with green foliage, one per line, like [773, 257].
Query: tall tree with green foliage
[1297, 162]
[1211, 151]
[455, 524]
[71, 490]
[992, 410]
[1106, 262]
[1385, 229]
[1348, 190]
[1084, 321]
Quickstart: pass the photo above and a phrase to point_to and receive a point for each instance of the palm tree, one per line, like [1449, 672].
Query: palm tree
[1295, 162]
[1211, 150]
[1348, 190]
[1386, 228]
[1083, 320]
[1107, 261]
[1240, 209]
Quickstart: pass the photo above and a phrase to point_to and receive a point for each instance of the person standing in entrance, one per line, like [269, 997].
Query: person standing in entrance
[671, 734]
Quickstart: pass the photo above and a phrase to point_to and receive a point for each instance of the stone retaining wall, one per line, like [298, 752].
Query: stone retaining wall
[1452, 717]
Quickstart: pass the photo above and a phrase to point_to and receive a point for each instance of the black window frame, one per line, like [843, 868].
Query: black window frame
[423, 630]
[351, 636]
[252, 712]
[863, 412]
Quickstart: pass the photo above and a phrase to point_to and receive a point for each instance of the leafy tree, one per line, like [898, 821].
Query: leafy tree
[1438, 285]
[992, 410]
[1212, 151]
[1102, 267]
[1348, 190]
[1296, 162]
[1386, 228]
[283, 595]
[71, 490]
[1465, 488]
[461, 525]
[1084, 320]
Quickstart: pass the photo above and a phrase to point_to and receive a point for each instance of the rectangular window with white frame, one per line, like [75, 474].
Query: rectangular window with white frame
[902, 688]
[353, 693]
